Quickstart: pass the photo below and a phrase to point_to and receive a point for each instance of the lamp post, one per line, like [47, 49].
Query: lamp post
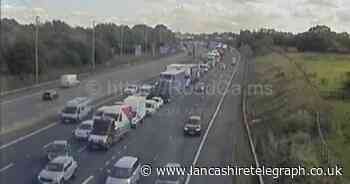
[36, 49]
[93, 54]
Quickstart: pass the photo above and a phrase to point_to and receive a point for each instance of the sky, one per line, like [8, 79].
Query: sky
[194, 16]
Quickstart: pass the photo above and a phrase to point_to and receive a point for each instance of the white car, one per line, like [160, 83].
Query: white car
[58, 171]
[151, 107]
[146, 89]
[125, 171]
[84, 129]
[57, 148]
[131, 89]
[159, 101]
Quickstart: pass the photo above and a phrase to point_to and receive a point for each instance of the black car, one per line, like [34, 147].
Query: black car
[193, 126]
[50, 95]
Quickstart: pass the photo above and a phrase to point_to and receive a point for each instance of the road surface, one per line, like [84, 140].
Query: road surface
[158, 141]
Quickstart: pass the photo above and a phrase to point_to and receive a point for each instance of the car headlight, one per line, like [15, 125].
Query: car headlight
[186, 128]
[198, 129]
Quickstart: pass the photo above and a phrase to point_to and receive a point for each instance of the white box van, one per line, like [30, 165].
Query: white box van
[76, 110]
[69, 80]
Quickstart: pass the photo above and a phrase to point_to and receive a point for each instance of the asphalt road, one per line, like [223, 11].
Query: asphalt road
[27, 109]
[158, 141]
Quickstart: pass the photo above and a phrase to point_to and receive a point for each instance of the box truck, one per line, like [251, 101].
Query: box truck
[69, 80]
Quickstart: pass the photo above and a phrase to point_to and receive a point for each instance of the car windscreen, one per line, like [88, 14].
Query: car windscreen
[85, 127]
[113, 116]
[120, 172]
[100, 128]
[69, 110]
[149, 105]
[56, 148]
[56, 167]
[193, 122]
[99, 113]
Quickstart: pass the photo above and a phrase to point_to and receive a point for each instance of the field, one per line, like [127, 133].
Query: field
[333, 68]
[327, 72]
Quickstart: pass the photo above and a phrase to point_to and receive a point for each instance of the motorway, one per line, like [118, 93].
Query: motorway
[18, 111]
[158, 141]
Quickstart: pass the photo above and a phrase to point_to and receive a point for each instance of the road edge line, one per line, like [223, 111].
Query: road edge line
[218, 107]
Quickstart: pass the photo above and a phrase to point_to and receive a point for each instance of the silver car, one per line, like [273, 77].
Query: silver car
[83, 130]
[125, 171]
[58, 170]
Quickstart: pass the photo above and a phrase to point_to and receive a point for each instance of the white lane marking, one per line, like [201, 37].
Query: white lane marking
[27, 88]
[107, 163]
[20, 98]
[47, 145]
[28, 135]
[6, 167]
[87, 180]
[205, 136]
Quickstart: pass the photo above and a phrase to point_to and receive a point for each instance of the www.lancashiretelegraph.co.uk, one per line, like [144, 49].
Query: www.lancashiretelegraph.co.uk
[146, 170]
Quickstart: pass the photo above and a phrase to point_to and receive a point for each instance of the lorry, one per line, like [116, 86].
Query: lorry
[69, 80]
[113, 126]
[138, 108]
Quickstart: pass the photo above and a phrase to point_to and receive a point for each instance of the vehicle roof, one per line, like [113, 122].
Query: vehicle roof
[132, 85]
[102, 108]
[61, 159]
[50, 91]
[125, 162]
[172, 72]
[112, 109]
[88, 122]
[60, 142]
[151, 101]
[78, 100]
[195, 117]
[119, 103]
[172, 164]
[157, 97]
[144, 86]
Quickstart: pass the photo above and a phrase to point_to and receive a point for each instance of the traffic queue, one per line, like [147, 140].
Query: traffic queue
[102, 127]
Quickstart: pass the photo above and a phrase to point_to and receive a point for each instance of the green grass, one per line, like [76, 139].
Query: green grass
[330, 68]
[328, 71]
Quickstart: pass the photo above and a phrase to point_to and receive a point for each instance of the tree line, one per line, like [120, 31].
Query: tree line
[319, 38]
[61, 45]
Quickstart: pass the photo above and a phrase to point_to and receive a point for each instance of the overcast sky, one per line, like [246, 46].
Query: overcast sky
[189, 15]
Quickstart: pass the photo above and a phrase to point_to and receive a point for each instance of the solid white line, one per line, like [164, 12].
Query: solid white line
[28, 135]
[188, 178]
[46, 145]
[6, 167]
[20, 98]
[81, 149]
[27, 88]
[87, 180]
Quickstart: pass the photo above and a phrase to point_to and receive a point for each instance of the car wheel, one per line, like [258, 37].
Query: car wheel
[61, 181]
[75, 173]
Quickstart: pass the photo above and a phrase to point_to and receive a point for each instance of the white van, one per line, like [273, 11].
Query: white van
[76, 110]
[69, 80]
